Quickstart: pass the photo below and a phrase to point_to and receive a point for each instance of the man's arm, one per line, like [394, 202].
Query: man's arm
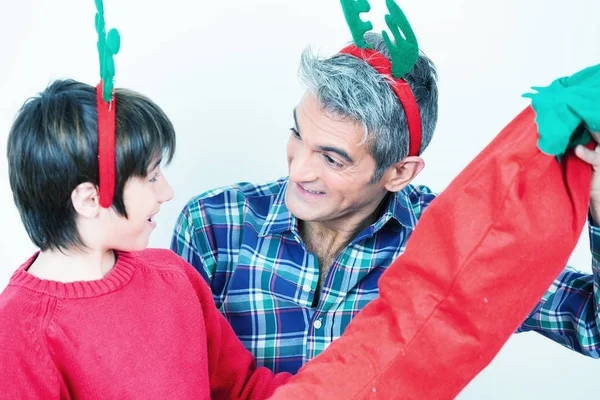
[569, 312]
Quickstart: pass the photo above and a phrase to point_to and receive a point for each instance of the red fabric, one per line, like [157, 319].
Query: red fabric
[106, 147]
[400, 87]
[148, 330]
[480, 259]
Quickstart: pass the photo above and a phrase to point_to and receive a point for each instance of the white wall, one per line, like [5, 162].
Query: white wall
[225, 72]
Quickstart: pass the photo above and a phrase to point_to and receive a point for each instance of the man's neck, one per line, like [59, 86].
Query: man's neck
[323, 238]
[333, 236]
[327, 240]
[72, 265]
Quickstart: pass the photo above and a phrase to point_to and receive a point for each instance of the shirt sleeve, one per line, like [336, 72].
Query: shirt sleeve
[421, 197]
[185, 243]
[569, 313]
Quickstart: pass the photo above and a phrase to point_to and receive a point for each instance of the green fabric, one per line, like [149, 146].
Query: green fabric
[358, 27]
[406, 51]
[566, 109]
[108, 46]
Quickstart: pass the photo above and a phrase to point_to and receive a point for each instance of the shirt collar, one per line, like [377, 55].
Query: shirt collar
[400, 208]
[279, 219]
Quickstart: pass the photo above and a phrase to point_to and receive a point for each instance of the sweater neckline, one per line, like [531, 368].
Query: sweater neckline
[117, 277]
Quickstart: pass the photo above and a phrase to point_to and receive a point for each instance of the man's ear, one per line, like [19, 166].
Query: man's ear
[85, 200]
[402, 173]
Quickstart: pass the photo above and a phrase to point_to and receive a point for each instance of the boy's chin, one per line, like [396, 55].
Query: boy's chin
[132, 247]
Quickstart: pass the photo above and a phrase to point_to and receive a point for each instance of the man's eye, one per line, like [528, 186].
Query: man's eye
[295, 133]
[331, 161]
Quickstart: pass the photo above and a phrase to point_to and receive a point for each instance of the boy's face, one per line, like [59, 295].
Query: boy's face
[142, 198]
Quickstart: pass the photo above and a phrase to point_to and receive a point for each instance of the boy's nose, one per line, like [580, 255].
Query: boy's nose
[166, 192]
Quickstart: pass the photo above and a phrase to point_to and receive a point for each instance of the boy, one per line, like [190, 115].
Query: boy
[94, 314]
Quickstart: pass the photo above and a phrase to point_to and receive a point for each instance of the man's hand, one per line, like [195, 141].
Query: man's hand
[592, 157]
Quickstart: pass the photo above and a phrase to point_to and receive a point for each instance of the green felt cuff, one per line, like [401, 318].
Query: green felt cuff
[567, 110]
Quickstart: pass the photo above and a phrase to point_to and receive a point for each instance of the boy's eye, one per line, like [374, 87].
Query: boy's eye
[154, 178]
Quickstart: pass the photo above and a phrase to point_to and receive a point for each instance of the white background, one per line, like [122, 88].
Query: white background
[225, 72]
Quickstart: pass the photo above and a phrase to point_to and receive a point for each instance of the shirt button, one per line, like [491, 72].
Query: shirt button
[318, 324]
[306, 288]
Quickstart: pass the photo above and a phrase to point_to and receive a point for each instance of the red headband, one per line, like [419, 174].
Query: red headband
[106, 147]
[400, 87]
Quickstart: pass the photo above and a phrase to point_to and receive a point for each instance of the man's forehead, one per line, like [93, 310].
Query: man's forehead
[327, 132]
[311, 108]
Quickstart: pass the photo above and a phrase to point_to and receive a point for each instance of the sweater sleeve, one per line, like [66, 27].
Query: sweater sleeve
[27, 371]
[232, 370]
[24, 376]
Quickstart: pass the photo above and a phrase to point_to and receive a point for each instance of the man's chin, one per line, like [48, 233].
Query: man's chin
[302, 210]
[307, 215]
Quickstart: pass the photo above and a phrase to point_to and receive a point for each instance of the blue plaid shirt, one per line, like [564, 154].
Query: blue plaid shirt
[245, 243]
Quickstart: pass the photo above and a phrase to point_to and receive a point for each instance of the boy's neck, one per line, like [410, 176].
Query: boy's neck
[73, 266]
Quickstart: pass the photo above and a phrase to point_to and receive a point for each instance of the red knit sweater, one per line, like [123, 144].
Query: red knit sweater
[148, 330]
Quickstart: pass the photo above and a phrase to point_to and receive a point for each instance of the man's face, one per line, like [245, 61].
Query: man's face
[330, 168]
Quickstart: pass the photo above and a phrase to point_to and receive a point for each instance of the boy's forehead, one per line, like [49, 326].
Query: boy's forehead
[155, 162]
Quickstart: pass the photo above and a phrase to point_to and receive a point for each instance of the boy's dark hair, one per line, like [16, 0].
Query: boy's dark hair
[53, 147]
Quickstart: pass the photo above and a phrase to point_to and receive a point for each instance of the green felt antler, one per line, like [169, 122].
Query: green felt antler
[108, 46]
[406, 51]
[358, 27]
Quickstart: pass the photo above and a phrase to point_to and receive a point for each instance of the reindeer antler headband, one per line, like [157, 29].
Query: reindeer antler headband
[404, 56]
[108, 46]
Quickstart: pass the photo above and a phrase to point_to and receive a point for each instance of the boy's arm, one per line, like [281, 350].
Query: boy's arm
[232, 370]
[26, 371]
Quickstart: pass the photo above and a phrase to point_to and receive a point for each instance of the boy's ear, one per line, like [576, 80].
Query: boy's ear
[85, 200]
[402, 173]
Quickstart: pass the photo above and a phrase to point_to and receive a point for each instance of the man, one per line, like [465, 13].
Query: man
[291, 262]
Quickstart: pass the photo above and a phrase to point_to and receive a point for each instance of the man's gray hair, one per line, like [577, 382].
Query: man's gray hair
[347, 86]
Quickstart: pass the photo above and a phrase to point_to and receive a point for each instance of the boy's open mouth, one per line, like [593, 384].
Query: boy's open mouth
[151, 217]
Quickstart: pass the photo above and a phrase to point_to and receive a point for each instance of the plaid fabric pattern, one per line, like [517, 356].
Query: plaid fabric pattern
[245, 243]
[569, 312]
